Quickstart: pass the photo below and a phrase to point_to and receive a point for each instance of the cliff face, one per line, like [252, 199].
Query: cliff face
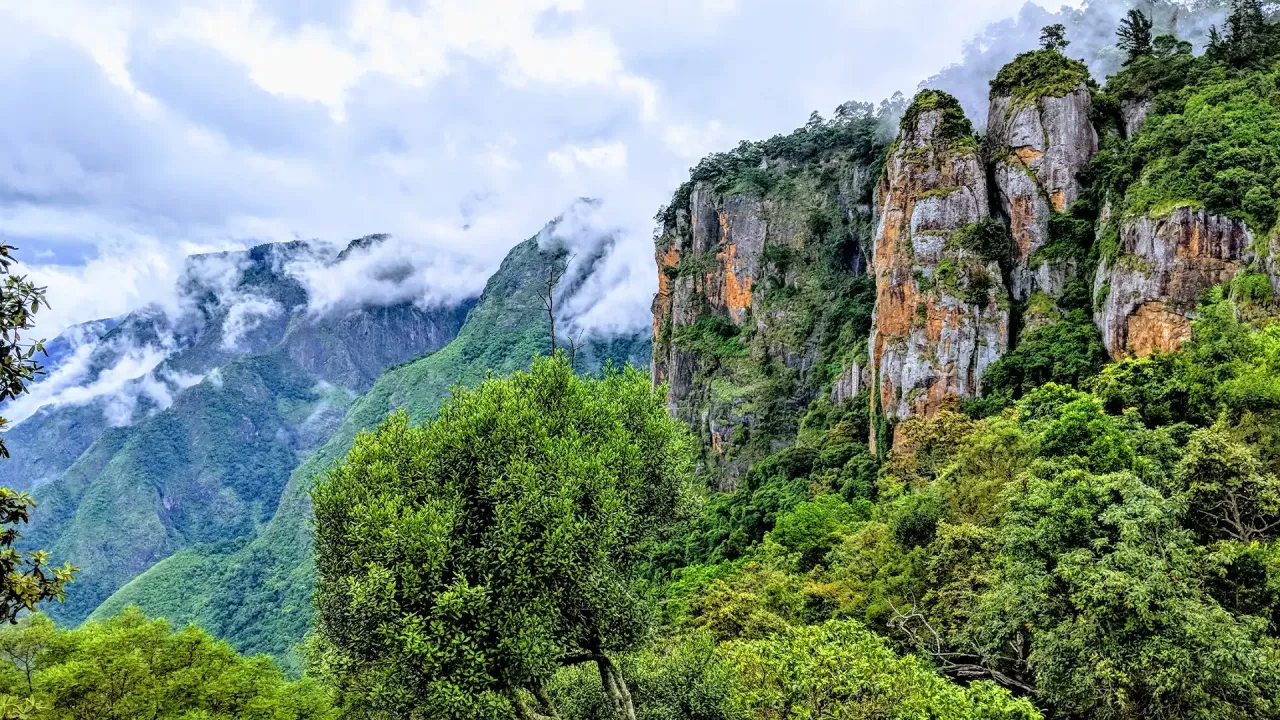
[759, 303]
[709, 262]
[942, 314]
[1039, 146]
[1146, 293]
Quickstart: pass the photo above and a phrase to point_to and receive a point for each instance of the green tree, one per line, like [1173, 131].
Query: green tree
[1229, 490]
[1097, 605]
[22, 646]
[20, 300]
[1135, 35]
[461, 563]
[1054, 37]
[25, 577]
[131, 667]
[842, 671]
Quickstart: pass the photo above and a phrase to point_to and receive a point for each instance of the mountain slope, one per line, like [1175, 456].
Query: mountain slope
[204, 460]
[257, 594]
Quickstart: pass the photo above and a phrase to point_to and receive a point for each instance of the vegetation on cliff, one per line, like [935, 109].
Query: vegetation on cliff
[1039, 73]
[1015, 547]
[952, 122]
[1211, 134]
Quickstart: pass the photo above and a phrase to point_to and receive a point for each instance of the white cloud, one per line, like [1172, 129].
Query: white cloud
[145, 131]
[117, 384]
[245, 315]
[386, 271]
[601, 157]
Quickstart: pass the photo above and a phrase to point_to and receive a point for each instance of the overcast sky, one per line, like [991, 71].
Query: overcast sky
[133, 133]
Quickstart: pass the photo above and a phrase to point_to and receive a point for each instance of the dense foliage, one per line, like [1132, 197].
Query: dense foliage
[1039, 73]
[857, 126]
[1063, 548]
[1211, 136]
[460, 563]
[1066, 352]
[952, 122]
[131, 667]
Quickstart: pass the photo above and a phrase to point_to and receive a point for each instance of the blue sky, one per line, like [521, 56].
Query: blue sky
[136, 132]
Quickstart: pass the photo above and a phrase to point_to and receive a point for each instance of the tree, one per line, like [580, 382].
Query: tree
[131, 667]
[1135, 35]
[1248, 39]
[23, 644]
[1097, 586]
[20, 300]
[1228, 488]
[461, 563]
[841, 670]
[1054, 37]
[25, 577]
[547, 293]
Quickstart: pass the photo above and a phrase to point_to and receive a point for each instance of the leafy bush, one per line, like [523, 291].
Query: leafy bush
[1067, 352]
[840, 670]
[129, 667]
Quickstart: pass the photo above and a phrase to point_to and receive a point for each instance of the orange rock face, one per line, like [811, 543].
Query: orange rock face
[1040, 148]
[1153, 327]
[933, 334]
[1150, 290]
[737, 292]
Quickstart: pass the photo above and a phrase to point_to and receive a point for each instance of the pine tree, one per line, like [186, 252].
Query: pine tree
[1246, 38]
[1054, 37]
[1135, 35]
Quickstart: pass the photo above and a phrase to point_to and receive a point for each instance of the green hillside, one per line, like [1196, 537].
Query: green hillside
[210, 467]
[257, 594]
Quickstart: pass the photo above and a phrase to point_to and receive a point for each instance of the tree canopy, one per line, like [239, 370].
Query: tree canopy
[463, 562]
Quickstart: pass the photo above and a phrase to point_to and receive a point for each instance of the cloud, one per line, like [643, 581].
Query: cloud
[244, 315]
[147, 131]
[604, 156]
[75, 382]
[212, 91]
[386, 271]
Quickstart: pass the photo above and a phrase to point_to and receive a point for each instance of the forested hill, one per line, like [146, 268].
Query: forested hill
[1008, 400]
[256, 593]
[179, 425]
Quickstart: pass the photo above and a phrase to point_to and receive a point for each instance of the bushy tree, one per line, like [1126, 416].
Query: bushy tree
[131, 667]
[25, 577]
[462, 562]
[1054, 37]
[1135, 35]
[842, 671]
[1230, 492]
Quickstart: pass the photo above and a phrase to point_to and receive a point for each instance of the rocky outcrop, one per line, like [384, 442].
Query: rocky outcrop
[1040, 145]
[709, 263]
[1133, 115]
[941, 313]
[744, 273]
[1146, 294]
[850, 384]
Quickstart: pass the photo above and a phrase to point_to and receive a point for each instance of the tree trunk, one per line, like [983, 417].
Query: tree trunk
[616, 688]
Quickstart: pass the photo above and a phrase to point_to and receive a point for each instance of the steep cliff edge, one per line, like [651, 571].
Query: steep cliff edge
[762, 300]
[1148, 288]
[942, 310]
[1041, 136]
[1191, 196]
